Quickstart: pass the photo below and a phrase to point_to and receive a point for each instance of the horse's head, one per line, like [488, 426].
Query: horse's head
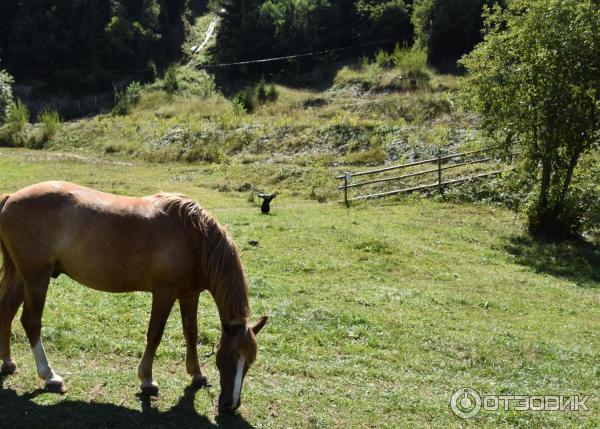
[237, 351]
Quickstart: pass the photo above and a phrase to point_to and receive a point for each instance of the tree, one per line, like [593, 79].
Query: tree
[535, 80]
[254, 29]
[6, 95]
[448, 29]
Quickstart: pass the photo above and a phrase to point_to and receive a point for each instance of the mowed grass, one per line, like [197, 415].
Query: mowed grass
[377, 315]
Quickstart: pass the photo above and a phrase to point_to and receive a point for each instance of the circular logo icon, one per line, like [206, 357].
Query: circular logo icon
[466, 402]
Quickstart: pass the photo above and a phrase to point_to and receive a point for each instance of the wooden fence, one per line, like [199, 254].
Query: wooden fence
[489, 157]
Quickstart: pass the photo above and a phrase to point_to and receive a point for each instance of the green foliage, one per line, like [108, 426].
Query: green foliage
[18, 115]
[84, 45]
[535, 82]
[6, 96]
[194, 82]
[383, 60]
[170, 80]
[252, 97]
[133, 91]
[127, 99]
[253, 29]
[50, 121]
[17, 131]
[261, 92]
[448, 29]
[411, 62]
[266, 93]
[272, 94]
[245, 98]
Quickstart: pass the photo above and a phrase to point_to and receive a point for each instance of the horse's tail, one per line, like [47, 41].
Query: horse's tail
[8, 271]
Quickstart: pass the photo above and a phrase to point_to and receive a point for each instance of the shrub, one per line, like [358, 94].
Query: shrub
[170, 81]
[18, 116]
[261, 92]
[383, 60]
[50, 120]
[194, 82]
[133, 91]
[272, 93]
[123, 105]
[245, 98]
[126, 99]
[412, 62]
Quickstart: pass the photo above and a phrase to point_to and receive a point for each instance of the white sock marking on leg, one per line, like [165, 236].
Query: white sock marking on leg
[43, 367]
[237, 385]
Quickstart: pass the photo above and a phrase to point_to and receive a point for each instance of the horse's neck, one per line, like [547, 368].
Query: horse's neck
[232, 304]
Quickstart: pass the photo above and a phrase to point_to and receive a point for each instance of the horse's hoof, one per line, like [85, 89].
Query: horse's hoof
[8, 368]
[56, 386]
[150, 390]
[199, 381]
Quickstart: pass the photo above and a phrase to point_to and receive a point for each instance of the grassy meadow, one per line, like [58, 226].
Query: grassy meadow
[377, 315]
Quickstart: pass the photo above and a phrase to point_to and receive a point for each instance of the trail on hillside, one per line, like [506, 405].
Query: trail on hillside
[207, 36]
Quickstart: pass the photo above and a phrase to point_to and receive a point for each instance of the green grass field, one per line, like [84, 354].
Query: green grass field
[377, 315]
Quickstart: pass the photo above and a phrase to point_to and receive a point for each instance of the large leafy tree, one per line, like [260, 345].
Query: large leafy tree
[535, 80]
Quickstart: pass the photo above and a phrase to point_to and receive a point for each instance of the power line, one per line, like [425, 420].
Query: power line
[290, 57]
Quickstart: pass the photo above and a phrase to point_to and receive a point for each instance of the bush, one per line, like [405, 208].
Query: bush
[194, 82]
[16, 132]
[127, 99]
[272, 93]
[245, 98]
[133, 91]
[261, 93]
[170, 81]
[18, 116]
[50, 120]
[412, 62]
[383, 60]
[6, 96]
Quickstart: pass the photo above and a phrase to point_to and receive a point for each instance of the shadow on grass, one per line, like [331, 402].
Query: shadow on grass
[578, 261]
[22, 412]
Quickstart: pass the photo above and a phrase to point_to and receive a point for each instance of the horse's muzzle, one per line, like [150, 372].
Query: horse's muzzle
[226, 405]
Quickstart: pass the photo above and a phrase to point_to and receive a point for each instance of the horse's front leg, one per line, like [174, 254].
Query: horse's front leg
[162, 303]
[189, 312]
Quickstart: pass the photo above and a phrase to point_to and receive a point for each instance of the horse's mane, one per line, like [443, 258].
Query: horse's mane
[219, 266]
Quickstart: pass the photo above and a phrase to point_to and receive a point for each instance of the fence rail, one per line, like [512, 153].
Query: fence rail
[440, 168]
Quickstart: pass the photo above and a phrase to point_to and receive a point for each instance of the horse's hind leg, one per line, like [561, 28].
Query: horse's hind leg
[35, 298]
[9, 305]
[189, 315]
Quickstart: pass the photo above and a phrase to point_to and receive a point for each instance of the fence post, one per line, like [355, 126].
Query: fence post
[347, 177]
[439, 170]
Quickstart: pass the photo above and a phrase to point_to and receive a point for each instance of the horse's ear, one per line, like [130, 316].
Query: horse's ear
[259, 325]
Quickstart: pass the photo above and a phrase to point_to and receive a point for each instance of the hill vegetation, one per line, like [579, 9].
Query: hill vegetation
[87, 46]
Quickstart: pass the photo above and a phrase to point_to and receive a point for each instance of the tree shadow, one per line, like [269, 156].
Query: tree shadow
[577, 261]
[20, 411]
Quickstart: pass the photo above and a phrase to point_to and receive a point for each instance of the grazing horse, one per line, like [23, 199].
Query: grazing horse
[164, 244]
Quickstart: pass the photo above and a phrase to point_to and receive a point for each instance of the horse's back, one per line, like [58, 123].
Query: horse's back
[105, 241]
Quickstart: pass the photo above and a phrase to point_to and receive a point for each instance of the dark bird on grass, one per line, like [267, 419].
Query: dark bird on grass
[265, 207]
